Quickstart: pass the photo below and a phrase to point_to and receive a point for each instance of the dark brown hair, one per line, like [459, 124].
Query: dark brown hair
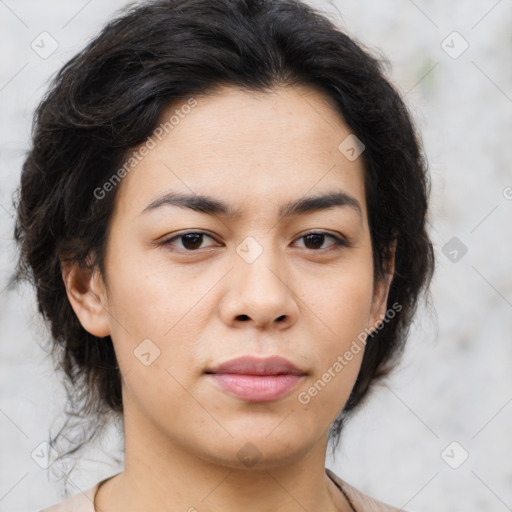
[107, 100]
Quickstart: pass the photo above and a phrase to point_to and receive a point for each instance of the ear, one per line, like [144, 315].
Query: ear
[87, 295]
[381, 291]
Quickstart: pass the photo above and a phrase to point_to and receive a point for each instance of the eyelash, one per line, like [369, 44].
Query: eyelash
[339, 242]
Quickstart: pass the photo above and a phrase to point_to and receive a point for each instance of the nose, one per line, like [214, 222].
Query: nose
[259, 292]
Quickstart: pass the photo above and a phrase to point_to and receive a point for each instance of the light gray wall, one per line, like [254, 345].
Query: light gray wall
[454, 384]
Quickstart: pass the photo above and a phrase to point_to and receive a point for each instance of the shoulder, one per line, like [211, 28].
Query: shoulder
[361, 501]
[81, 502]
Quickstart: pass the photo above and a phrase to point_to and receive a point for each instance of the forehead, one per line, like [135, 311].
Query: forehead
[250, 148]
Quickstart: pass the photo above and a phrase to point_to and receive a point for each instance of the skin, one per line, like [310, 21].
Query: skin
[254, 151]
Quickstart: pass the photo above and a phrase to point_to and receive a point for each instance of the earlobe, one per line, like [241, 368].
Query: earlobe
[86, 294]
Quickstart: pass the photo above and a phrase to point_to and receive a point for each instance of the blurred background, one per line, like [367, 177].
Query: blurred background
[434, 436]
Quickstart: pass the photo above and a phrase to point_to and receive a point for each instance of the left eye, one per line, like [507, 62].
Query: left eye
[192, 241]
[316, 239]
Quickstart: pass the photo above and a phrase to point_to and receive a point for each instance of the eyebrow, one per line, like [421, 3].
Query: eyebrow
[212, 206]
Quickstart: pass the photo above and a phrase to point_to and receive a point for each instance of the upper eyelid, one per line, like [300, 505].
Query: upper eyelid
[196, 232]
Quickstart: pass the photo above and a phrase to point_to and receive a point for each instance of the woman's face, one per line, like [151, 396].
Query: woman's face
[250, 279]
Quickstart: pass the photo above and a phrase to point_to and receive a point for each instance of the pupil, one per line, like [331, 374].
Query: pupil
[193, 239]
[316, 238]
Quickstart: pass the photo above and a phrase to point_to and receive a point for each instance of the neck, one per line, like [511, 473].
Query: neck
[160, 474]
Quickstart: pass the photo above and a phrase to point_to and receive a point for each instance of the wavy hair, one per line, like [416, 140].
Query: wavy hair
[107, 100]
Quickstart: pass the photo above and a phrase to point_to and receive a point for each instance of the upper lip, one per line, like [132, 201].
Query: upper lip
[250, 365]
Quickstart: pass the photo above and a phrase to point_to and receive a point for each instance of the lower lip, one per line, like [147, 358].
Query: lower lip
[256, 388]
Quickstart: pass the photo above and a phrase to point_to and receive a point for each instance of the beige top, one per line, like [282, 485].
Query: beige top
[84, 502]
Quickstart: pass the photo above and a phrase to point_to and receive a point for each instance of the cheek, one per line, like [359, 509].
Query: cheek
[344, 308]
[344, 301]
[156, 315]
[147, 293]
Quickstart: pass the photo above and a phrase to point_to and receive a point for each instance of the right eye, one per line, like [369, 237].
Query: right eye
[191, 241]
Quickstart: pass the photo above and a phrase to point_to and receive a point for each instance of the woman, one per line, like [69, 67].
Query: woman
[224, 216]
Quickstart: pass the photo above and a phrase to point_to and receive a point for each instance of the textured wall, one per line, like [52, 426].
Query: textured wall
[451, 396]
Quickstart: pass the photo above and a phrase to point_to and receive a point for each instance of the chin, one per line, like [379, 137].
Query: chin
[257, 453]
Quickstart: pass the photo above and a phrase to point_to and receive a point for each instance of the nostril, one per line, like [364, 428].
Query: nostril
[243, 317]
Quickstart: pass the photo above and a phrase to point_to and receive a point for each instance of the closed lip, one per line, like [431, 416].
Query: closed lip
[251, 365]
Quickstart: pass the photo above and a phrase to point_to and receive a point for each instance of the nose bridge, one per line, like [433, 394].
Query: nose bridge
[260, 291]
[260, 264]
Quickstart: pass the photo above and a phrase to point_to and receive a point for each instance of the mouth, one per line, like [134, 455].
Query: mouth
[257, 379]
